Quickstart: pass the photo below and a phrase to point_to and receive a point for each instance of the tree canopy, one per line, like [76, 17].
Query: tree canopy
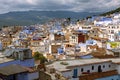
[39, 56]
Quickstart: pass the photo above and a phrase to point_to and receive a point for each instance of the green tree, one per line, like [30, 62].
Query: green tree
[39, 56]
[88, 17]
[69, 19]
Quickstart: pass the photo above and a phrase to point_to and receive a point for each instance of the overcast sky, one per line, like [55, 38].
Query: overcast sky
[53, 5]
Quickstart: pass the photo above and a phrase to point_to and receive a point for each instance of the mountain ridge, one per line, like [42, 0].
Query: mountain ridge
[33, 17]
[111, 12]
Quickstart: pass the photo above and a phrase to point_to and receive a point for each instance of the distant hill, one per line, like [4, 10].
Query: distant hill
[33, 17]
[111, 12]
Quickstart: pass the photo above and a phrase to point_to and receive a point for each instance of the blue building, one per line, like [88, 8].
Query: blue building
[18, 64]
[17, 72]
[88, 56]
[60, 50]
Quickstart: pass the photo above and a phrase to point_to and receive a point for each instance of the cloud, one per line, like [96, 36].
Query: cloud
[66, 5]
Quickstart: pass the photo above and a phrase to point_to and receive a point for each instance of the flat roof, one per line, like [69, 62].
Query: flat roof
[115, 60]
[3, 60]
[79, 62]
[12, 69]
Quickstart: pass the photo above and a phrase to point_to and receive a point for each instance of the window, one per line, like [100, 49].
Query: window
[112, 31]
[109, 66]
[88, 71]
[116, 37]
[82, 69]
[73, 37]
[68, 45]
[92, 67]
[103, 66]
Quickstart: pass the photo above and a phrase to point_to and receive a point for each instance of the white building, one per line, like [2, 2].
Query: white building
[73, 39]
[72, 69]
[103, 22]
[116, 18]
[112, 30]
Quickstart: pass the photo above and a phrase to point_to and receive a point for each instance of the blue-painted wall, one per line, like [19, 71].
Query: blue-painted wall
[32, 76]
[27, 63]
[22, 76]
[114, 77]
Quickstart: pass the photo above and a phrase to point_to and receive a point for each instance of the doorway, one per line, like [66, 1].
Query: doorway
[75, 73]
[99, 68]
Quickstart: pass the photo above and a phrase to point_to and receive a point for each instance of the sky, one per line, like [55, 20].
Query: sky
[59, 5]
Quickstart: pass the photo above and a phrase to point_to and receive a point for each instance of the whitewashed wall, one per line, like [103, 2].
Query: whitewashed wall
[89, 67]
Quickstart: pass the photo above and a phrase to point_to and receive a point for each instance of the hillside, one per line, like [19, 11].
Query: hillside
[111, 12]
[33, 17]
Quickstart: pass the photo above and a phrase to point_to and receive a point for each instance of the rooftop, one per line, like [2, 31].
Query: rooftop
[79, 62]
[12, 69]
[3, 59]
